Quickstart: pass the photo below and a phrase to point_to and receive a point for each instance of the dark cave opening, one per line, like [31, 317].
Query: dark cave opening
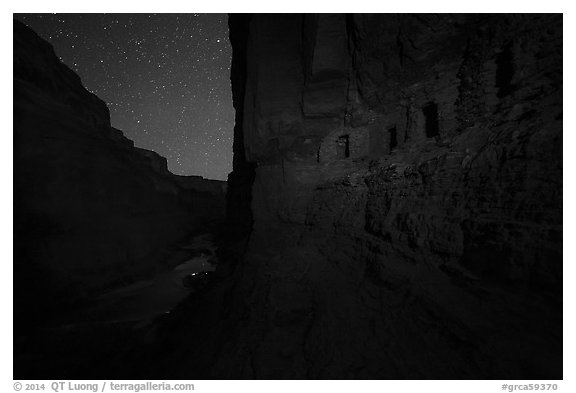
[505, 71]
[393, 137]
[430, 111]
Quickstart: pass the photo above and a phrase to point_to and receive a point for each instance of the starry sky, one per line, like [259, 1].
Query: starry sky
[164, 77]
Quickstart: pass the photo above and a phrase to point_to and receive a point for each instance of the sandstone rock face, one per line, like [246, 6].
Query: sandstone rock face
[404, 181]
[91, 210]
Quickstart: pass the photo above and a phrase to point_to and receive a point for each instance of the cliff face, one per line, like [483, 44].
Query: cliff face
[404, 175]
[91, 210]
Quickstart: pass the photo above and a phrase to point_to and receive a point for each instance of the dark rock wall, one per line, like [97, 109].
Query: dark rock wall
[91, 210]
[239, 196]
[405, 199]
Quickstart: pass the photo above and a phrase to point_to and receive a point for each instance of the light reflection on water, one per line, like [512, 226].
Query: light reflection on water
[148, 299]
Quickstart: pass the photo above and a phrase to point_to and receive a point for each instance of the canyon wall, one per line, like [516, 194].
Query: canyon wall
[91, 210]
[399, 178]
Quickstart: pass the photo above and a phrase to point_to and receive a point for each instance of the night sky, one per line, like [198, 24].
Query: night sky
[164, 77]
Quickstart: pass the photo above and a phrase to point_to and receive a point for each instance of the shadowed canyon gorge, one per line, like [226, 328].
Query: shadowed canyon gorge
[394, 211]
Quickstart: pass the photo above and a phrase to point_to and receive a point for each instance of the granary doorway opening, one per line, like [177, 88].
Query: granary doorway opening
[431, 115]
